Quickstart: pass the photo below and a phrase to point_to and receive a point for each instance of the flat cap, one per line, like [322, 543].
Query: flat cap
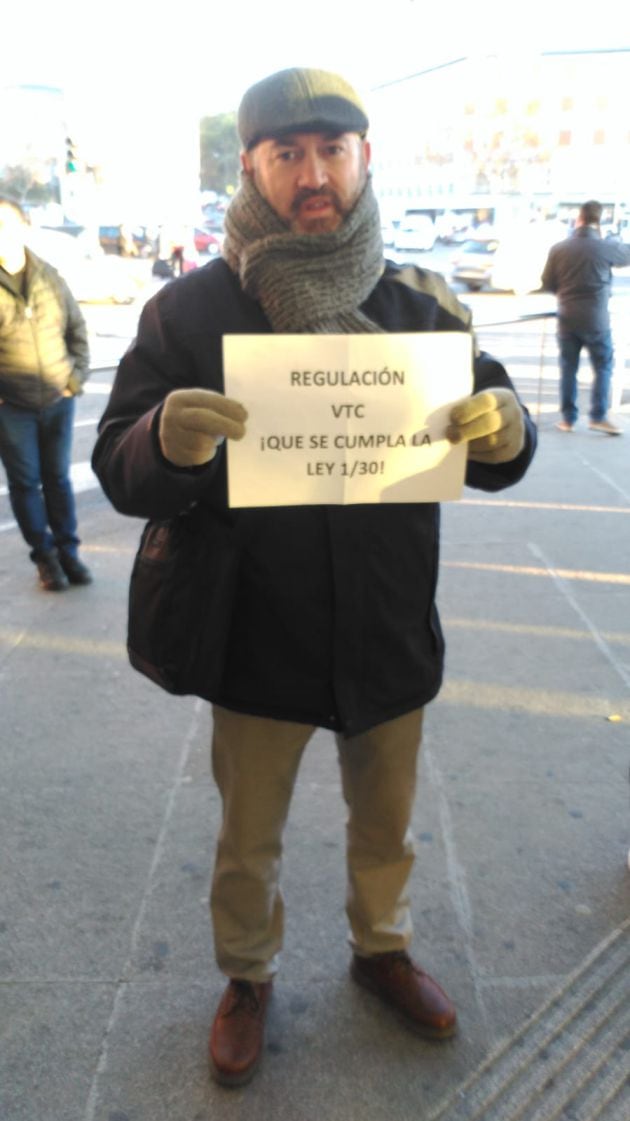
[299, 100]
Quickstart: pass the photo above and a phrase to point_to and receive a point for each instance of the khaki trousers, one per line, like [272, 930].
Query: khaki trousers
[255, 763]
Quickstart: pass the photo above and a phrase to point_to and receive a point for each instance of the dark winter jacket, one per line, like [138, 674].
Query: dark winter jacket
[578, 270]
[43, 338]
[333, 619]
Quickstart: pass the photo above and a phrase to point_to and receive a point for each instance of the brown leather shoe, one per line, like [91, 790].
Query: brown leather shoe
[417, 998]
[237, 1035]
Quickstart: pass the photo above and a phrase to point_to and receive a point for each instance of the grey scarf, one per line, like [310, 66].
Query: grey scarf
[306, 283]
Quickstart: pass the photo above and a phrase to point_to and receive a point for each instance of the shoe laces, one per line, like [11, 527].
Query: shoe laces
[244, 998]
[399, 961]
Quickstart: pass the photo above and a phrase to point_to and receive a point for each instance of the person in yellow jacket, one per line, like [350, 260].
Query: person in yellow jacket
[44, 360]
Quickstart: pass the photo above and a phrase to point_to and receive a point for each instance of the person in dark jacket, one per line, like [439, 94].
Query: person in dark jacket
[329, 617]
[44, 360]
[579, 271]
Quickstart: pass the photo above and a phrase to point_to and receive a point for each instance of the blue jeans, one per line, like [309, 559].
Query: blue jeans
[600, 350]
[35, 448]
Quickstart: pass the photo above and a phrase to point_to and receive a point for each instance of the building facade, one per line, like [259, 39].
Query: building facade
[542, 130]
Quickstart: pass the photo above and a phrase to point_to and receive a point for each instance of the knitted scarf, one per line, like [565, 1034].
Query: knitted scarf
[306, 283]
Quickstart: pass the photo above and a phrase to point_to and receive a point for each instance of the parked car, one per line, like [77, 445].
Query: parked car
[126, 241]
[452, 228]
[509, 261]
[472, 265]
[207, 241]
[415, 232]
[92, 275]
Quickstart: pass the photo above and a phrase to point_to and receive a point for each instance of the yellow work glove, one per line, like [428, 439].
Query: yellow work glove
[194, 421]
[492, 423]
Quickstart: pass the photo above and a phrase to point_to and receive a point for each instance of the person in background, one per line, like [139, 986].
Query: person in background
[331, 620]
[578, 271]
[126, 244]
[44, 361]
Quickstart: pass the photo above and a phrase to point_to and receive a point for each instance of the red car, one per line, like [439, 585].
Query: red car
[206, 242]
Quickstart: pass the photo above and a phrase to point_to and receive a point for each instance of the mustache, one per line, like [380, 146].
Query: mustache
[306, 193]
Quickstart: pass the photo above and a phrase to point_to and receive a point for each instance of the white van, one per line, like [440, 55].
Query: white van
[415, 231]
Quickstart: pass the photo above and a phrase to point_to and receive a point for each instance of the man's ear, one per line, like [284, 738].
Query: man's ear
[246, 162]
[367, 152]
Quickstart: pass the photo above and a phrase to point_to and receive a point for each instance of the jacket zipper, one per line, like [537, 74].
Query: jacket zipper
[28, 314]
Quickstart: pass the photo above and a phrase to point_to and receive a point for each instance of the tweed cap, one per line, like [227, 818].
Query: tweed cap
[299, 100]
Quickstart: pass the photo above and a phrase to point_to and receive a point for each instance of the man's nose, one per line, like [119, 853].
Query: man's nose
[313, 172]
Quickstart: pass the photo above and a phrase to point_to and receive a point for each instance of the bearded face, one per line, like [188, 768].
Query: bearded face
[311, 180]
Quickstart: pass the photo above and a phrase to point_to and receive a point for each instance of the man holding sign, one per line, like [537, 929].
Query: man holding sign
[329, 617]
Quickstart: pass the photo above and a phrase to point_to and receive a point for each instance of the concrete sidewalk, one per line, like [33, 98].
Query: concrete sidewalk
[109, 817]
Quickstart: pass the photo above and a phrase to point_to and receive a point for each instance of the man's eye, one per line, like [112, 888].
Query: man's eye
[286, 157]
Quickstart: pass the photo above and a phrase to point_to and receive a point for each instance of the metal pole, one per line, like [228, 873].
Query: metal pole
[544, 315]
[540, 368]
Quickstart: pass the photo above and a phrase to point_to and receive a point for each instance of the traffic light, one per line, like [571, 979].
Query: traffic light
[72, 159]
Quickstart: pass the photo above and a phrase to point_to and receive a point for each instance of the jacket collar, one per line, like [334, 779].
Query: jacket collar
[33, 265]
[12, 282]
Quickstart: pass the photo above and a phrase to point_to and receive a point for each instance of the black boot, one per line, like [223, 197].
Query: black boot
[51, 575]
[76, 571]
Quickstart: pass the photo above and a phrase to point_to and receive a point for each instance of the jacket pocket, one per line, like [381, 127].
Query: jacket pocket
[181, 598]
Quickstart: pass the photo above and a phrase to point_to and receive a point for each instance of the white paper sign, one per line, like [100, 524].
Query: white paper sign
[346, 418]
